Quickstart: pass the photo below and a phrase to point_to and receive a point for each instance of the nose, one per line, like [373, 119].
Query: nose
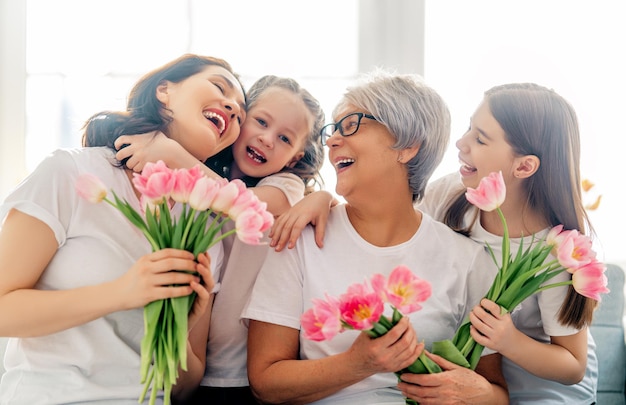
[334, 139]
[266, 140]
[232, 108]
[461, 144]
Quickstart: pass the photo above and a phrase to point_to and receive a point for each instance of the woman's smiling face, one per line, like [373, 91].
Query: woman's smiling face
[207, 110]
[364, 159]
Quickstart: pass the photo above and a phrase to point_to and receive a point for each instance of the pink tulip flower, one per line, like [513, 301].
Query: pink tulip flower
[91, 188]
[203, 193]
[226, 197]
[248, 225]
[156, 181]
[322, 322]
[403, 289]
[489, 194]
[184, 182]
[360, 307]
[245, 200]
[574, 250]
[590, 280]
[268, 218]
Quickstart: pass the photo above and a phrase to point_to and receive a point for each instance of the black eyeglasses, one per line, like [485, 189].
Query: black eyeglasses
[346, 126]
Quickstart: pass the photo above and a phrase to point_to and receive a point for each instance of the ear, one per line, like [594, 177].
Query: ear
[162, 92]
[295, 159]
[408, 153]
[526, 166]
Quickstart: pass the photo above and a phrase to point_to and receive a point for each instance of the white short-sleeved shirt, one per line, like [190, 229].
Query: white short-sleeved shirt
[97, 362]
[536, 317]
[228, 337]
[289, 280]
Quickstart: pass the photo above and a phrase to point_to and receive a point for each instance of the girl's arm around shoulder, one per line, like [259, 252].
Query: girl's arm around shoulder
[154, 146]
[313, 209]
[279, 191]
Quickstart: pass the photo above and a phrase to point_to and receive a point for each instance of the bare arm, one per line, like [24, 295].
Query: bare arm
[152, 147]
[314, 209]
[277, 376]
[564, 360]
[26, 247]
[458, 385]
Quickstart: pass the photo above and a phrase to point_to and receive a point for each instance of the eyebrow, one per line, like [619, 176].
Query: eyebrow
[483, 133]
[230, 84]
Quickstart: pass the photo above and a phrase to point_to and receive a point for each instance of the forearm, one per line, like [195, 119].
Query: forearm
[189, 380]
[29, 312]
[304, 381]
[549, 361]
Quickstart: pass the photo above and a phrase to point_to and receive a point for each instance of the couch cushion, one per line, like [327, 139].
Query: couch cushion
[608, 331]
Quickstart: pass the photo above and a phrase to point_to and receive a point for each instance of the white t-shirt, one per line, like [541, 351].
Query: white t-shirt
[227, 349]
[97, 362]
[289, 280]
[536, 317]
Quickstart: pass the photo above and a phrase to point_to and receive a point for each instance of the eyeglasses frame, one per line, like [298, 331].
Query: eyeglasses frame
[324, 137]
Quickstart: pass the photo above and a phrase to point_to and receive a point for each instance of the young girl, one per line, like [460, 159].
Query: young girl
[279, 154]
[75, 276]
[530, 133]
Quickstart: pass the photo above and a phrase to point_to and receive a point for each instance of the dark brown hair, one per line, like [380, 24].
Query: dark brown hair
[538, 121]
[144, 112]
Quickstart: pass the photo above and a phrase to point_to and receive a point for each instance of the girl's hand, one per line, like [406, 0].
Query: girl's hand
[203, 289]
[143, 148]
[394, 351]
[491, 328]
[151, 278]
[313, 209]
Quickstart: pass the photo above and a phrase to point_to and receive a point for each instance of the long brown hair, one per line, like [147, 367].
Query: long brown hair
[144, 112]
[538, 121]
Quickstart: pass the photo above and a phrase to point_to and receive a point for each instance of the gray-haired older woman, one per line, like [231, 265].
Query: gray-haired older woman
[390, 133]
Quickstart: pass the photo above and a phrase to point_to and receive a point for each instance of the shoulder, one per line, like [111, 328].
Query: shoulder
[439, 194]
[441, 234]
[445, 186]
[75, 159]
[290, 184]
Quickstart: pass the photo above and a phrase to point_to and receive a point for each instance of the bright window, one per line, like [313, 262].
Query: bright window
[86, 60]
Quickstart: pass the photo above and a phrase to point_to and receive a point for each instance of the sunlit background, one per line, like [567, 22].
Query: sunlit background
[82, 56]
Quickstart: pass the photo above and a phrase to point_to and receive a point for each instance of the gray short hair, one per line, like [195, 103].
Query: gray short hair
[413, 112]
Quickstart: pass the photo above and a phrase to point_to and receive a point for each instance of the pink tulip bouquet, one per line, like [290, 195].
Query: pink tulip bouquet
[362, 306]
[205, 205]
[527, 272]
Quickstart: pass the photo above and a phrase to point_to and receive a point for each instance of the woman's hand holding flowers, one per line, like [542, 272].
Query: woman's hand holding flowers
[454, 385]
[151, 278]
[395, 350]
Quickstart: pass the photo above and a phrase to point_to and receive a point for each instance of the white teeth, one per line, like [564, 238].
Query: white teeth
[221, 125]
[252, 154]
[343, 162]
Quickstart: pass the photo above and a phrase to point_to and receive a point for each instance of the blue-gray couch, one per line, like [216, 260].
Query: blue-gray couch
[608, 331]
